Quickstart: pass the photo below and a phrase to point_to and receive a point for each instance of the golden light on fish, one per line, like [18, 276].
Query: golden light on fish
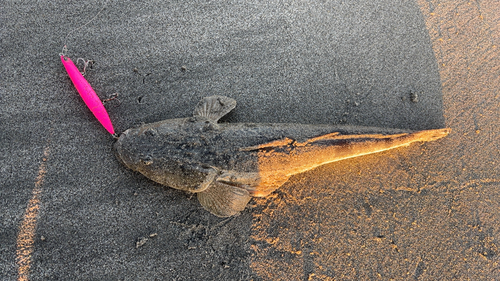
[289, 158]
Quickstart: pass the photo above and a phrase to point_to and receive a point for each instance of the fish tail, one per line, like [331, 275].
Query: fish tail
[430, 135]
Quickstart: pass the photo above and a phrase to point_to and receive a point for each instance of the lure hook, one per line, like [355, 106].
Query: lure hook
[85, 64]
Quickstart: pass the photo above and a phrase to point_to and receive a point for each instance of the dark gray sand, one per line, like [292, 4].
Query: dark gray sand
[70, 211]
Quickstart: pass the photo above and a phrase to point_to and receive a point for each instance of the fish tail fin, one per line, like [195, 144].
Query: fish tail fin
[224, 200]
[430, 135]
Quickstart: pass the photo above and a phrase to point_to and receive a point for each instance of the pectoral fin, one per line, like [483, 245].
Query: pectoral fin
[214, 107]
[224, 200]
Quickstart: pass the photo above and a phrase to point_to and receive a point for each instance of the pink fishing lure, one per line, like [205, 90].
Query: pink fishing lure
[88, 94]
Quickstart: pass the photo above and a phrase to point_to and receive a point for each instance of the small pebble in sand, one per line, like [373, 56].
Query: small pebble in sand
[413, 96]
[140, 242]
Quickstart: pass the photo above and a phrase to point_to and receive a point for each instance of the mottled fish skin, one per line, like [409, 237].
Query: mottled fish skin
[226, 164]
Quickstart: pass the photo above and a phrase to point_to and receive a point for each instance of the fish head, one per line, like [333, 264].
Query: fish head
[171, 138]
[165, 152]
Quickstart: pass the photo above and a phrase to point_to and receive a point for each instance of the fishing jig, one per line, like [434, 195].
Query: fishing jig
[88, 94]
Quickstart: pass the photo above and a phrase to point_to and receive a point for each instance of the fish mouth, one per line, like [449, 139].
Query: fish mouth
[117, 149]
[121, 151]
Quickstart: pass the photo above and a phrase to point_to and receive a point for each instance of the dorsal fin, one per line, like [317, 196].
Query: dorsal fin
[214, 107]
[328, 137]
[276, 143]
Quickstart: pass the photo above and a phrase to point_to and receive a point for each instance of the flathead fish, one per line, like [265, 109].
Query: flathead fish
[226, 164]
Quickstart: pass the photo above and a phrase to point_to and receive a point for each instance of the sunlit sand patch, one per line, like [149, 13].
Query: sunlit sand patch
[27, 230]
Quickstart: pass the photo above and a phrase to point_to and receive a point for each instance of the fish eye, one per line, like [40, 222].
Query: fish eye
[150, 132]
[147, 160]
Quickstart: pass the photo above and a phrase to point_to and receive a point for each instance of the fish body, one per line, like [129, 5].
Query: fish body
[226, 164]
